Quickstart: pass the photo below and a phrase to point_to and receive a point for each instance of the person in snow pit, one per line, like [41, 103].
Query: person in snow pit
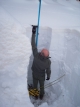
[41, 65]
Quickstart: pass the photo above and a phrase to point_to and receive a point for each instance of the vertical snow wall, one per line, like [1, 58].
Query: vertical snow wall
[15, 50]
[65, 53]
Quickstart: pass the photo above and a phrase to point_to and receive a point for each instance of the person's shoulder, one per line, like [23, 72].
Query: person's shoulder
[49, 61]
[37, 55]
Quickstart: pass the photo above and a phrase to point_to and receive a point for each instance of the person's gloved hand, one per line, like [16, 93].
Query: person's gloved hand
[47, 78]
[34, 29]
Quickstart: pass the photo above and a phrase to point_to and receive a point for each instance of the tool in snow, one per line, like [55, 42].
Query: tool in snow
[32, 91]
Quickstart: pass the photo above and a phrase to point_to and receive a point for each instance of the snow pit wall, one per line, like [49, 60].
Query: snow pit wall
[65, 53]
[15, 51]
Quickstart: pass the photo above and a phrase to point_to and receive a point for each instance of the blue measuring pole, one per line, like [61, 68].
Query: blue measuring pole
[38, 22]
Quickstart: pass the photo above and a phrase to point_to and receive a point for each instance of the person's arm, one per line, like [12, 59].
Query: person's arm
[48, 71]
[34, 47]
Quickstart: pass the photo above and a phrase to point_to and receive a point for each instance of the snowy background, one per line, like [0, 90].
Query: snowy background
[59, 32]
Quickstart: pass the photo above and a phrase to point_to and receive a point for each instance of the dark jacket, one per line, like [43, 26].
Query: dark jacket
[40, 65]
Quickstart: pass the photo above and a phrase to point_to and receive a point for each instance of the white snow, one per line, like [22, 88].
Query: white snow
[59, 32]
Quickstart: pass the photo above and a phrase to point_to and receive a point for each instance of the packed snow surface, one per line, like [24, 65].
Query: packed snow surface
[59, 32]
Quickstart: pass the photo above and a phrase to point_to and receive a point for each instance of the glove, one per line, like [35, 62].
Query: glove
[47, 78]
[34, 29]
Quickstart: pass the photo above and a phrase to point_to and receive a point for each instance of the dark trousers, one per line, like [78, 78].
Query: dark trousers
[41, 83]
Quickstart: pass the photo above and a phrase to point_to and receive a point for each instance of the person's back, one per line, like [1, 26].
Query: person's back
[39, 66]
